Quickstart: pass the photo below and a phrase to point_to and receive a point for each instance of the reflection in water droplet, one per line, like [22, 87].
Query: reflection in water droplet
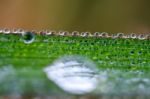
[28, 37]
[74, 74]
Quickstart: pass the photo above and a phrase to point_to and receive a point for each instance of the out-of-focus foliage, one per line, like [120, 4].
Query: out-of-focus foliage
[82, 15]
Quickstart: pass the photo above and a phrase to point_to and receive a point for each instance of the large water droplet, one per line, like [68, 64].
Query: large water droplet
[28, 37]
[74, 74]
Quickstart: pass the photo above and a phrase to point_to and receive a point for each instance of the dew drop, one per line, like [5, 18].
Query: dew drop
[50, 32]
[120, 35]
[113, 36]
[20, 31]
[28, 37]
[141, 36]
[104, 34]
[75, 33]
[85, 34]
[96, 34]
[133, 35]
[73, 74]
[6, 31]
[63, 33]
[42, 32]
[15, 31]
[132, 52]
[140, 52]
[148, 37]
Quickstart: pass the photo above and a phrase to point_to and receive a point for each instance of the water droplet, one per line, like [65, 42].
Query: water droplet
[42, 32]
[50, 32]
[113, 36]
[140, 52]
[63, 33]
[148, 37]
[28, 37]
[75, 33]
[6, 31]
[20, 31]
[141, 37]
[120, 35]
[133, 35]
[104, 34]
[74, 74]
[85, 34]
[132, 52]
[15, 31]
[96, 34]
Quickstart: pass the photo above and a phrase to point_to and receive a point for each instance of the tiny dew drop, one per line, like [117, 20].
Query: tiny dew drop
[104, 34]
[28, 37]
[133, 35]
[15, 31]
[63, 33]
[140, 52]
[6, 31]
[85, 34]
[20, 30]
[132, 52]
[75, 33]
[96, 34]
[120, 35]
[141, 36]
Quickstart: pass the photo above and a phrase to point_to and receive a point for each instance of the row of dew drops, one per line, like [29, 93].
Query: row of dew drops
[76, 33]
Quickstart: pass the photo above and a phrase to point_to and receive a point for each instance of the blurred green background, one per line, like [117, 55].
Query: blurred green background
[82, 15]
